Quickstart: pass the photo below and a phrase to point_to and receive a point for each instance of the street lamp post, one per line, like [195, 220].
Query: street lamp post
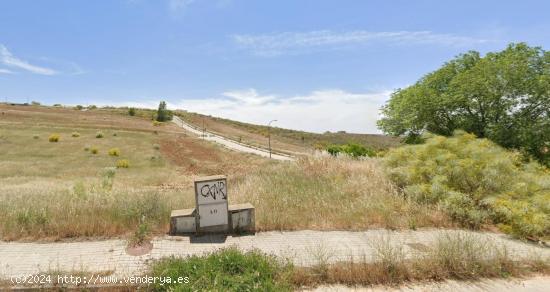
[269, 136]
[203, 128]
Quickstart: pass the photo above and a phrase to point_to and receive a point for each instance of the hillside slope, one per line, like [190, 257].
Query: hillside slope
[283, 140]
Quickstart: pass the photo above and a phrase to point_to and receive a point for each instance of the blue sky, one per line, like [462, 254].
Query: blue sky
[312, 65]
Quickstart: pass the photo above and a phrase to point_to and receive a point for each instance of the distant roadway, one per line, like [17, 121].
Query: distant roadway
[231, 144]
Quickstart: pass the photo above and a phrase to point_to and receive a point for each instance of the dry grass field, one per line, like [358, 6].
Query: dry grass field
[55, 190]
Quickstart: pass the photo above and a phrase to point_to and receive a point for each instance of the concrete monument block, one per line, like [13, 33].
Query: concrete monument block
[242, 218]
[182, 221]
[212, 213]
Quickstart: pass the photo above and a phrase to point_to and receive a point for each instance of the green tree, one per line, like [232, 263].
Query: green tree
[132, 111]
[503, 96]
[163, 114]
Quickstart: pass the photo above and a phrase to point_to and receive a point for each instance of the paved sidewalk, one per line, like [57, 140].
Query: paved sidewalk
[304, 248]
[230, 143]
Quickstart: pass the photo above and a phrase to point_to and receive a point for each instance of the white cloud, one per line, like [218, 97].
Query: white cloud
[5, 71]
[300, 42]
[318, 111]
[8, 59]
[179, 5]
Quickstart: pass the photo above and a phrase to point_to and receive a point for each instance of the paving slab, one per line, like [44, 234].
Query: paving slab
[304, 248]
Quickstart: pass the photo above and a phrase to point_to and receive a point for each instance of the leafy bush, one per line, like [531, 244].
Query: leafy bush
[94, 150]
[351, 149]
[476, 182]
[157, 123]
[99, 135]
[132, 111]
[123, 163]
[54, 138]
[156, 146]
[35, 136]
[224, 270]
[75, 134]
[114, 152]
[334, 150]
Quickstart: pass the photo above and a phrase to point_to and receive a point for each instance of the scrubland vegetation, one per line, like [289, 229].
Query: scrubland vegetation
[476, 182]
[118, 181]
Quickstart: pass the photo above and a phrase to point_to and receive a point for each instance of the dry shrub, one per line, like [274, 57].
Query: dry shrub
[54, 138]
[123, 163]
[114, 152]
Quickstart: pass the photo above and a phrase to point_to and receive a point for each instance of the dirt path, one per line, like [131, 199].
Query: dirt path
[234, 145]
[304, 248]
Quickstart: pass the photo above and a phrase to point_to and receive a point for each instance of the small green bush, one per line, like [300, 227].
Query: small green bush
[94, 150]
[75, 134]
[334, 150]
[54, 138]
[99, 135]
[140, 235]
[352, 149]
[476, 181]
[114, 152]
[356, 150]
[115, 134]
[108, 177]
[35, 136]
[157, 123]
[123, 163]
[225, 270]
[156, 146]
[132, 111]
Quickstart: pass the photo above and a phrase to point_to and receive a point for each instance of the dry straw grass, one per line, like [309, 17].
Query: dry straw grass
[452, 256]
[330, 193]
